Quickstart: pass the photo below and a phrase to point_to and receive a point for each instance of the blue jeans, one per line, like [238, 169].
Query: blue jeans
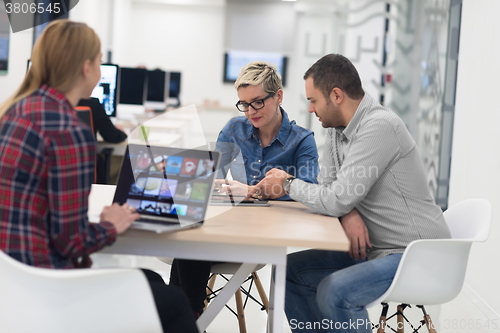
[326, 291]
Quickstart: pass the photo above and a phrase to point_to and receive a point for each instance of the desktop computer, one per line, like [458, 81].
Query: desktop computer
[107, 88]
[133, 90]
[174, 90]
[158, 81]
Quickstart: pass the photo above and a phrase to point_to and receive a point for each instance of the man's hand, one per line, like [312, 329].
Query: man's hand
[271, 186]
[357, 233]
[120, 216]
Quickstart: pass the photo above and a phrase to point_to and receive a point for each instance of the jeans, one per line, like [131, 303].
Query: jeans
[326, 291]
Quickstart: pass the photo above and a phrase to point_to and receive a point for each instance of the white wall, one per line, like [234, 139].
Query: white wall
[183, 38]
[265, 27]
[192, 38]
[97, 14]
[475, 166]
[19, 53]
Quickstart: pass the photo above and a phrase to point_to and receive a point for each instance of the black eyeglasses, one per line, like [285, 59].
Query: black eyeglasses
[256, 105]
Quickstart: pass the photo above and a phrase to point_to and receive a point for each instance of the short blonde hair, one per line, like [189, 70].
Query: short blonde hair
[57, 59]
[259, 72]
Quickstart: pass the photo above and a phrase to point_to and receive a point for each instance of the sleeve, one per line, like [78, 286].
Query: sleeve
[374, 149]
[231, 157]
[307, 160]
[328, 170]
[225, 148]
[71, 159]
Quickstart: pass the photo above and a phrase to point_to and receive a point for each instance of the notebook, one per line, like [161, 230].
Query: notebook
[169, 187]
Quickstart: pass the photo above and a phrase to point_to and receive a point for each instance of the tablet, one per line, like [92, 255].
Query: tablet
[217, 201]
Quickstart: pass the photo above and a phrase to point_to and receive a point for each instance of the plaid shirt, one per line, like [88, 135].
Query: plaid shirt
[47, 162]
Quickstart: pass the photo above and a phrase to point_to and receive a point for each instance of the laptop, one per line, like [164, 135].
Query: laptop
[169, 187]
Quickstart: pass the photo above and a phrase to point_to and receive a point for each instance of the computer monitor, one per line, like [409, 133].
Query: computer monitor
[4, 40]
[107, 88]
[175, 85]
[133, 86]
[234, 61]
[174, 89]
[158, 82]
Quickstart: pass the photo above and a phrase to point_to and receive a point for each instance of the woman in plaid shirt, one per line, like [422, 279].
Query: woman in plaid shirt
[47, 159]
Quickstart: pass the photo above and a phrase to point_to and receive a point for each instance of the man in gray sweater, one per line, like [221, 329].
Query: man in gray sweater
[373, 179]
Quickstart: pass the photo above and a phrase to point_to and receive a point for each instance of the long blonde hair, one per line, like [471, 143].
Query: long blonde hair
[57, 59]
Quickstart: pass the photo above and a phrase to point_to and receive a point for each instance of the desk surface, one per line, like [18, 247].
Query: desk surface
[283, 224]
[250, 235]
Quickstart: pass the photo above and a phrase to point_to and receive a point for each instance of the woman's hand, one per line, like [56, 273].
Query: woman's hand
[120, 216]
[233, 187]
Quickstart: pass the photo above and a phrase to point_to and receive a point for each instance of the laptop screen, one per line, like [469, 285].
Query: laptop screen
[165, 183]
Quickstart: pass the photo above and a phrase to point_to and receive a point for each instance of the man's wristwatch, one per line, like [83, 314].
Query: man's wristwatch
[287, 184]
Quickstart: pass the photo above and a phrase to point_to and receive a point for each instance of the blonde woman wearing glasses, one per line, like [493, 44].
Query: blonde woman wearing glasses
[262, 139]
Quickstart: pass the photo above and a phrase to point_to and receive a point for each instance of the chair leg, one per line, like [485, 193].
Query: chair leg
[262, 293]
[383, 318]
[400, 319]
[427, 320]
[241, 311]
[210, 287]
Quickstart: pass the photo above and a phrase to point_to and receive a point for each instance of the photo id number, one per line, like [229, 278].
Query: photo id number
[32, 8]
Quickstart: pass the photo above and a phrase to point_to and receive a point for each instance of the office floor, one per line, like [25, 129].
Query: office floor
[226, 321]
[460, 315]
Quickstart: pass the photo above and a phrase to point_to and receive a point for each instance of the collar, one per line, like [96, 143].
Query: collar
[54, 94]
[283, 133]
[363, 107]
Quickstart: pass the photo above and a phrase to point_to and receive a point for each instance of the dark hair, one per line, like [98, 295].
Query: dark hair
[336, 71]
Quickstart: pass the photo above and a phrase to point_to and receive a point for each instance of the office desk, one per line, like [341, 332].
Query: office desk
[251, 235]
[155, 138]
[176, 128]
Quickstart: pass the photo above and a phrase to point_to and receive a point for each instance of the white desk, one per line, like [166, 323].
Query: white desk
[252, 235]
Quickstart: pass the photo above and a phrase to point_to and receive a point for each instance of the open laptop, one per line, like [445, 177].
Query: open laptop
[169, 187]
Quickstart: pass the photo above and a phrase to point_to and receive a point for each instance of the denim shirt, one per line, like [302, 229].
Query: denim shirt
[293, 150]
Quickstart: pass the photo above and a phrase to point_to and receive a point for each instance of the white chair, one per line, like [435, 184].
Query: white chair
[432, 271]
[227, 268]
[78, 300]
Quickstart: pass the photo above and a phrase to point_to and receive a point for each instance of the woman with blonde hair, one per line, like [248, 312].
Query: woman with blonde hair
[47, 159]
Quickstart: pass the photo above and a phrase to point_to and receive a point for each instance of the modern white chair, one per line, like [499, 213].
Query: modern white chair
[432, 271]
[227, 268]
[78, 300]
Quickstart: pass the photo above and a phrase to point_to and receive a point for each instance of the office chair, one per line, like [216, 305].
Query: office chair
[84, 113]
[78, 300]
[103, 158]
[432, 271]
[222, 269]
